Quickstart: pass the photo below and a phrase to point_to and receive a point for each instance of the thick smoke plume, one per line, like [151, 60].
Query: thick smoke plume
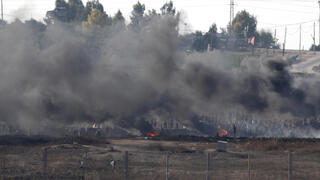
[66, 75]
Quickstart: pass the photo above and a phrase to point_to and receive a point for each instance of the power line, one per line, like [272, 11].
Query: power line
[292, 3]
[284, 1]
[274, 9]
[285, 25]
[294, 33]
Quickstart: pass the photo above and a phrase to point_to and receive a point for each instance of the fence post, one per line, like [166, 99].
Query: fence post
[249, 173]
[3, 165]
[167, 166]
[126, 158]
[208, 166]
[85, 164]
[2, 161]
[44, 170]
[290, 166]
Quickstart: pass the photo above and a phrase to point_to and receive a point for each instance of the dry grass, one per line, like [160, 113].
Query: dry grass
[147, 160]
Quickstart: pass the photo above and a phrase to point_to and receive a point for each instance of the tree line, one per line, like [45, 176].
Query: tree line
[93, 15]
[237, 36]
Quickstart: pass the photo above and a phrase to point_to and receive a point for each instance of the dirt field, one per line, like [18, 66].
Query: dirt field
[185, 158]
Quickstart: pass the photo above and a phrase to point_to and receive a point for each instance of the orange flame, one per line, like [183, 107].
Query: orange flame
[222, 132]
[153, 133]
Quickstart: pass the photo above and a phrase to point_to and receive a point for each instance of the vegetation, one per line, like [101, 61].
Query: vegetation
[97, 19]
[202, 40]
[168, 9]
[93, 15]
[137, 15]
[315, 47]
[243, 27]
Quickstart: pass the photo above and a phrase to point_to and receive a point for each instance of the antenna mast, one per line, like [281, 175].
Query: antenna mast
[232, 10]
[2, 10]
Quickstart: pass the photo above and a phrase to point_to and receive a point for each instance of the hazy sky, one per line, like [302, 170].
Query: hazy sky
[200, 14]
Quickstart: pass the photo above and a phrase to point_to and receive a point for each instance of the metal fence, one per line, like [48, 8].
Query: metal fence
[93, 163]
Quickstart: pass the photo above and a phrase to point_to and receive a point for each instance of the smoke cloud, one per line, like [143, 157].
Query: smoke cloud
[65, 75]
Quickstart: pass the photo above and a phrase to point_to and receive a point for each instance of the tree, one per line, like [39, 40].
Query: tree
[265, 39]
[35, 25]
[60, 12]
[118, 19]
[97, 19]
[150, 15]
[93, 4]
[201, 41]
[211, 37]
[66, 12]
[315, 47]
[137, 15]
[198, 44]
[76, 11]
[2, 23]
[244, 25]
[168, 9]
[185, 42]
[61, 4]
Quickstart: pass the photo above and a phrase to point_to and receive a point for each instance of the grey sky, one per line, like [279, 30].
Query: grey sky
[200, 14]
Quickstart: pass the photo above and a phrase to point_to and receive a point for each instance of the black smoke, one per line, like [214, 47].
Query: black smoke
[61, 75]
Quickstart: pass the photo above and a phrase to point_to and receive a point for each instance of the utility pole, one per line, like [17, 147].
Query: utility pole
[249, 167]
[275, 40]
[319, 21]
[167, 166]
[2, 9]
[300, 41]
[285, 40]
[44, 169]
[232, 11]
[208, 167]
[289, 166]
[314, 37]
[126, 158]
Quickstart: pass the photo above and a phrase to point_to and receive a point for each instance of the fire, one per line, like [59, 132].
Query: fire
[222, 132]
[153, 133]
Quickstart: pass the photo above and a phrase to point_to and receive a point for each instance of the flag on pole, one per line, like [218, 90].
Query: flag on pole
[252, 40]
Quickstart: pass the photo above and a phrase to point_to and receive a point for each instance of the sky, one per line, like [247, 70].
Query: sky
[272, 15]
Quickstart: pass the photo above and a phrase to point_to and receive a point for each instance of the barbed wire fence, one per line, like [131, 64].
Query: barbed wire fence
[86, 163]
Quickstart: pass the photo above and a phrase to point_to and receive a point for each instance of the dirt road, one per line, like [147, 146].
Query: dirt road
[306, 66]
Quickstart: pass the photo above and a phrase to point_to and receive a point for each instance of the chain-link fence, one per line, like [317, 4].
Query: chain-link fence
[97, 163]
[20, 163]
